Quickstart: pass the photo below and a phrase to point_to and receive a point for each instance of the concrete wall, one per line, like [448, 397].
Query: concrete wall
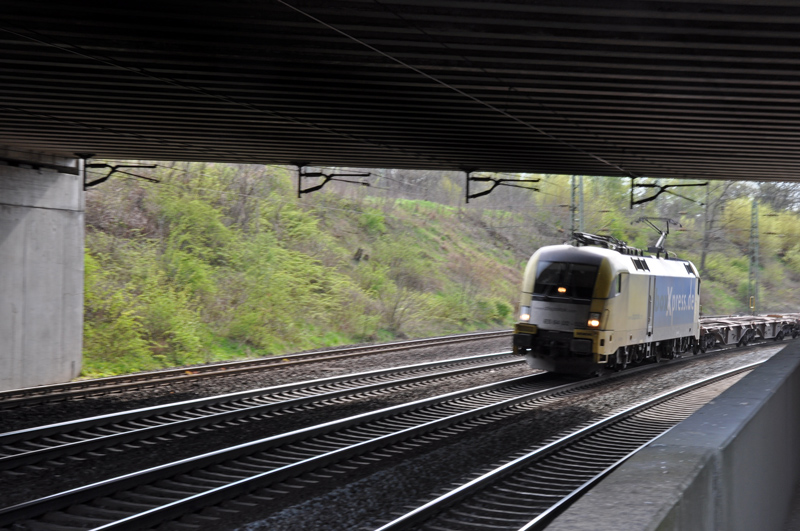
[731, 466]
[41, 271]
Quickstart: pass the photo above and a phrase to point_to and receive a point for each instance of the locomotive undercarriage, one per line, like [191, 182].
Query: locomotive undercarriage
[562, 352]
[633, 355]
[555, 351]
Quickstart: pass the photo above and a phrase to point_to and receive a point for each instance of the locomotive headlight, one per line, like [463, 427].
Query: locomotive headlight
[594, 320]
[525, 314]
[562, 290]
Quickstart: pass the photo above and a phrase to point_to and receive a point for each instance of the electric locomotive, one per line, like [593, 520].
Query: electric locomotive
[598, 304]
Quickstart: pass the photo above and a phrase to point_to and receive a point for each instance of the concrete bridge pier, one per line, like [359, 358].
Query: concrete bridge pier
[41, 269]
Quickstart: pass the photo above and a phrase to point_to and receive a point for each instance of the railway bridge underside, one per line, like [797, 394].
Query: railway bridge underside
[669, 90]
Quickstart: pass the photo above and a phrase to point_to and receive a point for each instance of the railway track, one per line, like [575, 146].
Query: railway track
[56, 441]
[261, 470]
[252, 473]
[528, 492]
[200, 490]
[116, 384]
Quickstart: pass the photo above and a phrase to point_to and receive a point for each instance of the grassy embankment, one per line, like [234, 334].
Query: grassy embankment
[221, 262]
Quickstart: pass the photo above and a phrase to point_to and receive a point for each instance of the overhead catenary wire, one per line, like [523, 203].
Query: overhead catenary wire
[509, 209]
[228, 192]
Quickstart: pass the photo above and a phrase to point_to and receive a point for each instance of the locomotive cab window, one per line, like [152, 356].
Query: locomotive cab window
[564, 280]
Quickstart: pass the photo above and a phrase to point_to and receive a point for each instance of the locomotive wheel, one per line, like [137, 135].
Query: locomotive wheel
[661, 353]
[622, 358]
[665, 351]
[695, 347]
[638, 354]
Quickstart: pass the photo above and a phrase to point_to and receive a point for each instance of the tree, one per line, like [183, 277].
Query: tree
[717, 196]
[780, 196]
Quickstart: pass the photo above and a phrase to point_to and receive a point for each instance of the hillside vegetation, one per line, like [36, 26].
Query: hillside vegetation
[219, 261]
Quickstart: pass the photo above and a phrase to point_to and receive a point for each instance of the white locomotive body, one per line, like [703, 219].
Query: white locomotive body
[587, 308]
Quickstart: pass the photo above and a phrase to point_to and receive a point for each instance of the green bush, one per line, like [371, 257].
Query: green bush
[372, 221]
[504, 311]
[114, 339]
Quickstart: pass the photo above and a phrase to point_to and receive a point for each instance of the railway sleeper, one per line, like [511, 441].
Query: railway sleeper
[71, 521]
[116, 504]
[97, 512]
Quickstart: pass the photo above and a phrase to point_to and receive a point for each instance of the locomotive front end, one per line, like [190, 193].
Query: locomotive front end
[560, 314]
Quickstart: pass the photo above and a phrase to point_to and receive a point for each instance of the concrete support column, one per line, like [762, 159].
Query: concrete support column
[41, 269]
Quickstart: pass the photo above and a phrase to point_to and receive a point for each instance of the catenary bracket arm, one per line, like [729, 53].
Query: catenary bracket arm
[661, 189]
[116, 169]
[498, 182]
[326, 178]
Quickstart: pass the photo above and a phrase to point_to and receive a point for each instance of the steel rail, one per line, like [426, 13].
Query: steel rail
[54, 441]
[113, 384]
[253, 466]
[220, 462]
[259, 464]
[505, 473]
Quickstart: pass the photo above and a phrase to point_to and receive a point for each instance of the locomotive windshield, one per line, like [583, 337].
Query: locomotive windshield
[564, 280]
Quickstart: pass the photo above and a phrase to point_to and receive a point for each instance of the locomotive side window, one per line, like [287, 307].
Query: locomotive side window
[616, 286]
[564, 280]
